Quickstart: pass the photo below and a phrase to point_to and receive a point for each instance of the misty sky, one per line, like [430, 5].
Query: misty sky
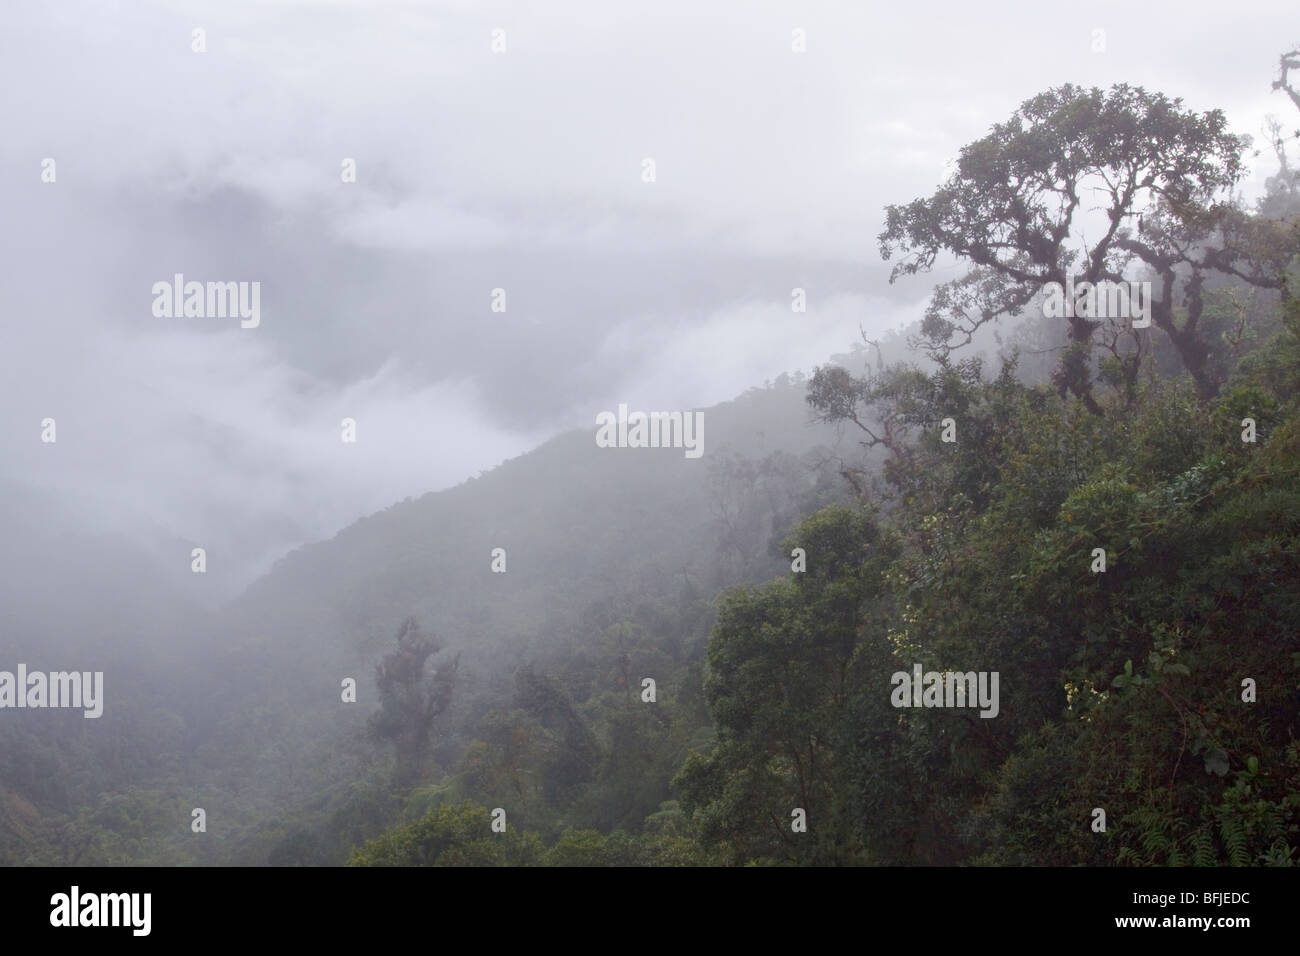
[477, 170]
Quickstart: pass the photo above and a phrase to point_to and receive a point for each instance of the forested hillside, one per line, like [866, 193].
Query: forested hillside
[596, 656]
[611, 563]
[1117, 544]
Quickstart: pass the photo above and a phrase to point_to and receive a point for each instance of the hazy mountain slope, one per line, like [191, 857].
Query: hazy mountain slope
[256, 710]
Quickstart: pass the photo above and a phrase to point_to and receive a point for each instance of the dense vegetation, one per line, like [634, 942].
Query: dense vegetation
[1162, 688]
[1126, 682]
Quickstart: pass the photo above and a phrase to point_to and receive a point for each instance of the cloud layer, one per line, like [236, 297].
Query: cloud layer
[518, 170]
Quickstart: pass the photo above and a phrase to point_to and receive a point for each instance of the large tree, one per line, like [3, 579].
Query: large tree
[1017, 209]
[784, 661]
[411, 696]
